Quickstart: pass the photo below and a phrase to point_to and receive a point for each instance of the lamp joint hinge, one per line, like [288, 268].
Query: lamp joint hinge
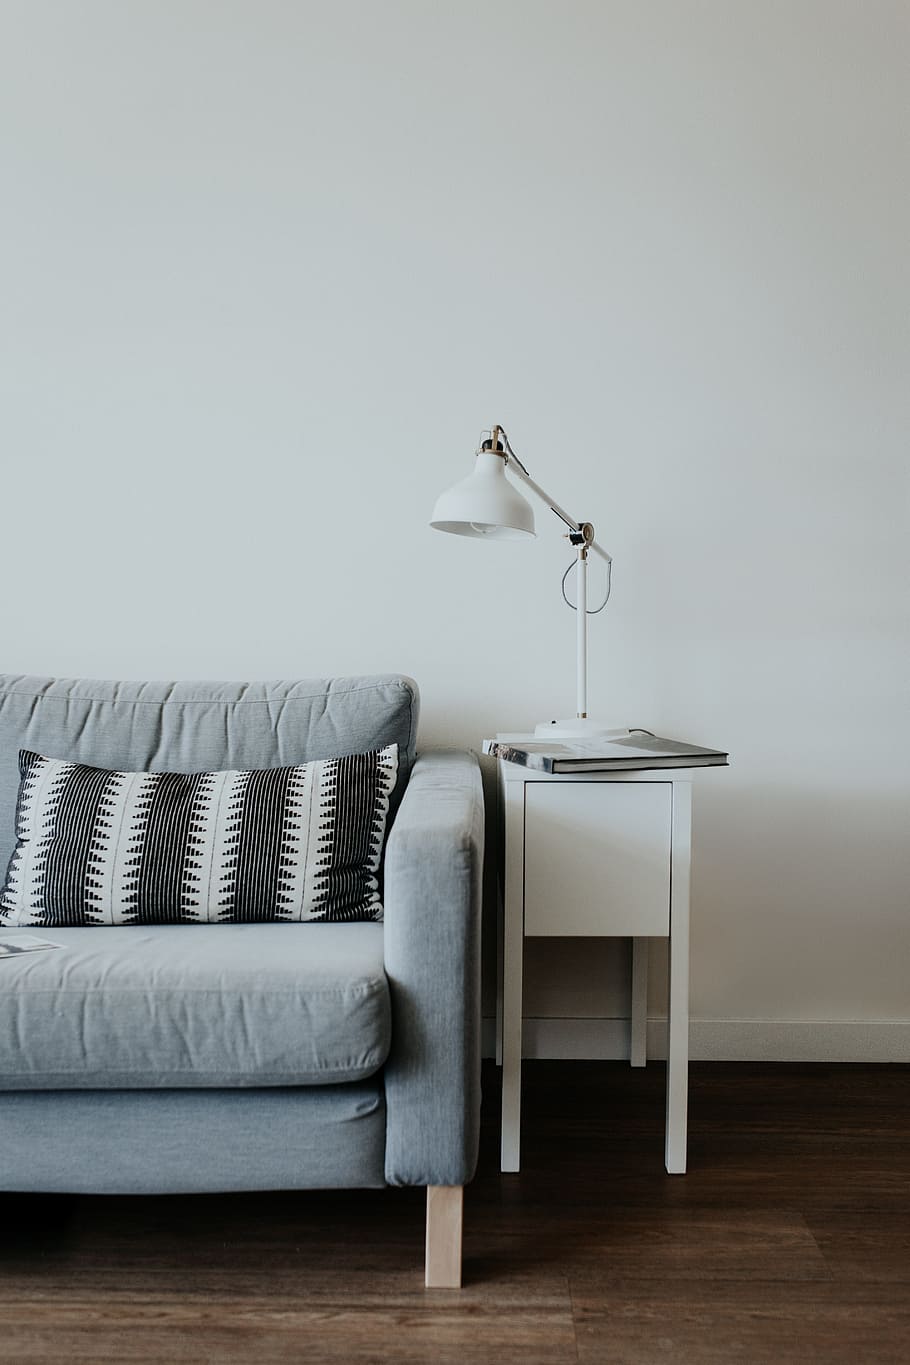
[583, 537]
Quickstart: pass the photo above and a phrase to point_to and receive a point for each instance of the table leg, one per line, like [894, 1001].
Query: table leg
[513, 950]
[638, 1048]
[500, 967]
[678, 1005]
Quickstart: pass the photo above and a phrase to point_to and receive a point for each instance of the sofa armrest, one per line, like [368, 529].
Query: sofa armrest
[433, 873]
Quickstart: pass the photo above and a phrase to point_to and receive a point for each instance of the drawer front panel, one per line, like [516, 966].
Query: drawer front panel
[597, 858]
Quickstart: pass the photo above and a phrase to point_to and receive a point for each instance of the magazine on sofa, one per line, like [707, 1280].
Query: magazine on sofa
[14, 944]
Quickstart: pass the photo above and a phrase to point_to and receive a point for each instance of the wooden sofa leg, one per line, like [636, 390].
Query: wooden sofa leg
[444, 1219]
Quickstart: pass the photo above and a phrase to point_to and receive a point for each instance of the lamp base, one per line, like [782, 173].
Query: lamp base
[579, 727]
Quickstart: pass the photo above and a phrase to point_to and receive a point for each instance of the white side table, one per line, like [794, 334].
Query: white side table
[598, 854]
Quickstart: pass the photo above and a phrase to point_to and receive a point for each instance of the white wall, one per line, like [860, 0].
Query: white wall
[268, 268]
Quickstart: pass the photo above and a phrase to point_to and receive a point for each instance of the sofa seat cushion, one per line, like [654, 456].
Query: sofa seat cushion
[185, 1006]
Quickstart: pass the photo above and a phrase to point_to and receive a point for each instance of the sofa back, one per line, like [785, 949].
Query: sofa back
[198, 726]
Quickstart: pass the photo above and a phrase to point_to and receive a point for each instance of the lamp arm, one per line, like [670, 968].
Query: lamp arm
[581, 534]
[518, 469]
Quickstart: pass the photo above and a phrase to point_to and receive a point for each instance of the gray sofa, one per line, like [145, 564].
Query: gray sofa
[253, 1056]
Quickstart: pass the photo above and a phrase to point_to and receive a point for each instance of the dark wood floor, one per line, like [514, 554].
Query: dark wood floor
[788, 1241]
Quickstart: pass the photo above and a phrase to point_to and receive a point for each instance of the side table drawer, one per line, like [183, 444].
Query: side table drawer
[597, 858]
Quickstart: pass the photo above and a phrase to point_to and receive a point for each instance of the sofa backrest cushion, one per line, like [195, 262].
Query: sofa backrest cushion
[199, 726]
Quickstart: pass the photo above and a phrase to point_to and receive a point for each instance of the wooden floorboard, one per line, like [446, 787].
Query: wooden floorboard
[788, 1241]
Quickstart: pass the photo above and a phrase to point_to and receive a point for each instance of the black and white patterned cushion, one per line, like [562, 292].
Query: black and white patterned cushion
[284, 844]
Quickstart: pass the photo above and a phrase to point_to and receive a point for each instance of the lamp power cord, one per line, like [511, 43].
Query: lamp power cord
[592, 611]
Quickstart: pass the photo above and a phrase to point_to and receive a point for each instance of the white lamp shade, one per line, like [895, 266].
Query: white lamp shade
[485, 504]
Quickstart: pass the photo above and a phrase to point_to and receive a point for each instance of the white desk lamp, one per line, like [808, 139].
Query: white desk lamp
[487, 506]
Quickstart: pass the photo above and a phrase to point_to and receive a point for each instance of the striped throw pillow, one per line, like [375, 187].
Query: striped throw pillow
[283, 844]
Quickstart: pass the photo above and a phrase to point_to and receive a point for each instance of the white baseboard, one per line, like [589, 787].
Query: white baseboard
[719, 1040]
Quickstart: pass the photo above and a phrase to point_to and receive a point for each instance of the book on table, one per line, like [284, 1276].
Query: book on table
[637, 749]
